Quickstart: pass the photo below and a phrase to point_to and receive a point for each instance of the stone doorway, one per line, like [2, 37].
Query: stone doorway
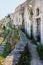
[38, 29]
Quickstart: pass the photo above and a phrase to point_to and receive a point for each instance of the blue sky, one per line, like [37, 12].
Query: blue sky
[8, 6]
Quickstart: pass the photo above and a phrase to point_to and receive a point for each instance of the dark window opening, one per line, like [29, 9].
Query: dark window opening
[37, 11]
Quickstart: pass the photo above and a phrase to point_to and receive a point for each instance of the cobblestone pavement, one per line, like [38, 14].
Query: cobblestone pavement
[16, 53]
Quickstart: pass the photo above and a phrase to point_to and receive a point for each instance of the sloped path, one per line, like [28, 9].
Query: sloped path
[14, 56]
[35, 58]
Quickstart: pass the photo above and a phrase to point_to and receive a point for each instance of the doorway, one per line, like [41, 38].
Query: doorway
[38, 29]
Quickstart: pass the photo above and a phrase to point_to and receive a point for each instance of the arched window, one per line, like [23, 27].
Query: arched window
[37, 11]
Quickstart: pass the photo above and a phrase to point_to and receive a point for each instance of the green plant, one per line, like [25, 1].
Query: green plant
[38, 38]
[1, 60]
[34, 41]
[26, 57]
[23, 30]
[7, 49]
[18, 37]
[40, 51]
[31, 13]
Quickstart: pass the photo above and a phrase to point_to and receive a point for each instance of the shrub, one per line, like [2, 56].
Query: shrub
[26, 57]
[18, 37]
[34, 41]
[31, 13]
[7, 50]
[40, 51]
[38, 38]
[23, 30]
[1, 60]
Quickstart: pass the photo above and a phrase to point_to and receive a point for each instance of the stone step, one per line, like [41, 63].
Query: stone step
[16, 52]
[21, 49]
[3, 43]
[1, 46]
[16, 58]
[1, 49]
[21, 45]
[1, 52]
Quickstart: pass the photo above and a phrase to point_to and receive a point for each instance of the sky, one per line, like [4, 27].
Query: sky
[8, 6]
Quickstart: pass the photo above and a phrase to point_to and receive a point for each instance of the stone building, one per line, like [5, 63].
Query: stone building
[37, 19]
[29, 16]
[17, 16]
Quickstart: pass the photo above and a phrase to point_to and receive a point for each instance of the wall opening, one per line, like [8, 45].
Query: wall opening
[38, 20]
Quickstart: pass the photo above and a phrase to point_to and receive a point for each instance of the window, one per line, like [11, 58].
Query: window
[37, 11]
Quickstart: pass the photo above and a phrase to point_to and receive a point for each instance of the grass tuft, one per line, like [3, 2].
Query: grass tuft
[40, 51]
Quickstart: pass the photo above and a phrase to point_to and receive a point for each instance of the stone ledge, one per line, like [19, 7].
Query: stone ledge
[15, 55]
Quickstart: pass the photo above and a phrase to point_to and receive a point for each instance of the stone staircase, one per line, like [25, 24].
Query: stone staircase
[14, 57]
[2, 47]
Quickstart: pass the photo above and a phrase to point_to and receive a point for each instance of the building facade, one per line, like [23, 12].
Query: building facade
[37, 19]
[29, 15]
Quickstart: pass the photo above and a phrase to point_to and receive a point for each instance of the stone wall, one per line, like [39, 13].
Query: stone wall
[27, 21]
